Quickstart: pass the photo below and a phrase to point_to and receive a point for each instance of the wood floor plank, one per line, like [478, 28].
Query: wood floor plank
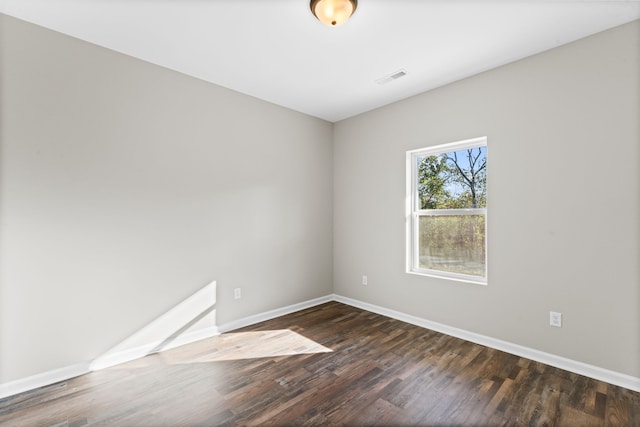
[328, 365]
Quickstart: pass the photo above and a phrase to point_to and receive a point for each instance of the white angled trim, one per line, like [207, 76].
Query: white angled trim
[272, 314]
[591, 371]
[43, 379]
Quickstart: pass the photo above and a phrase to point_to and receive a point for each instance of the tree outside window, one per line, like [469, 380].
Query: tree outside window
[448, 210]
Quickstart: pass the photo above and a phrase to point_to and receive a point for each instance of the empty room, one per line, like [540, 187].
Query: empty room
[325, 212]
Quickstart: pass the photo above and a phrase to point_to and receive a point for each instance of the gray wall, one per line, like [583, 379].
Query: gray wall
[563, 201]
[126, 188]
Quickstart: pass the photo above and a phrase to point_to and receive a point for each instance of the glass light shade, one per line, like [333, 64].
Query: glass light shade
[333, 12]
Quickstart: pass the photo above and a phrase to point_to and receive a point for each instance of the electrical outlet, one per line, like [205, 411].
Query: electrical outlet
[555, 319]
[364, 280]
[237, 293]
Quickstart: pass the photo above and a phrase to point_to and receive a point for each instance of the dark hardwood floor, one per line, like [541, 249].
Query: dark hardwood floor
[328, 365]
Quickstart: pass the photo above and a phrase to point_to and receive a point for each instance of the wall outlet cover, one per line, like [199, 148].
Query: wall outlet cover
[555, 319]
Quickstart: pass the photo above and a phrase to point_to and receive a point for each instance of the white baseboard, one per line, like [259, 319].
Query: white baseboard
[43, 379]
[62, 374]
[200, 334]
[146, 349]
[268, 315]
[601, 374]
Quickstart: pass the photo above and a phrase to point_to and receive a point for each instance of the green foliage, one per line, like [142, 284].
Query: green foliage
[455, 180]
[433, 174]
[454, 243]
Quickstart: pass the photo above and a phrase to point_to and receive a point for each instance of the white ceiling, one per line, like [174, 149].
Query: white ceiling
[277, 51]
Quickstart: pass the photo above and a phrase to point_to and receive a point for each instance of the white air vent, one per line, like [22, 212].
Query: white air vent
[391, 77]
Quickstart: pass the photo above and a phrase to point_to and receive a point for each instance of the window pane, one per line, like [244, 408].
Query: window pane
[453, 180]
[452, 243]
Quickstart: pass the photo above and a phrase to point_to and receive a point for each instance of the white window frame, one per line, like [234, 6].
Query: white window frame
[413, 213]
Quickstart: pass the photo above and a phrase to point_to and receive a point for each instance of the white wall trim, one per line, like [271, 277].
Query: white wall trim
[146, 349]
[43, 379]
[50, 377]
[272, 314]
[591, 371]
[62, 374]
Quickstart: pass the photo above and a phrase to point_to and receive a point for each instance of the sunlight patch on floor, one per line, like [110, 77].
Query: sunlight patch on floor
[248, 345]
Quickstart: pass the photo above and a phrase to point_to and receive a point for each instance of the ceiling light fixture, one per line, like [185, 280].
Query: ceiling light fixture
[333, 12]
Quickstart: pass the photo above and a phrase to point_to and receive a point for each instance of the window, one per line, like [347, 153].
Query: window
[447, 209]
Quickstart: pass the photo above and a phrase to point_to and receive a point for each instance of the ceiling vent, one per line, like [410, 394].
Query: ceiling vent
[391, 77]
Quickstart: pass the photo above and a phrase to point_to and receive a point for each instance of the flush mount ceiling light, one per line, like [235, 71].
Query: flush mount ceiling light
[333, 12]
